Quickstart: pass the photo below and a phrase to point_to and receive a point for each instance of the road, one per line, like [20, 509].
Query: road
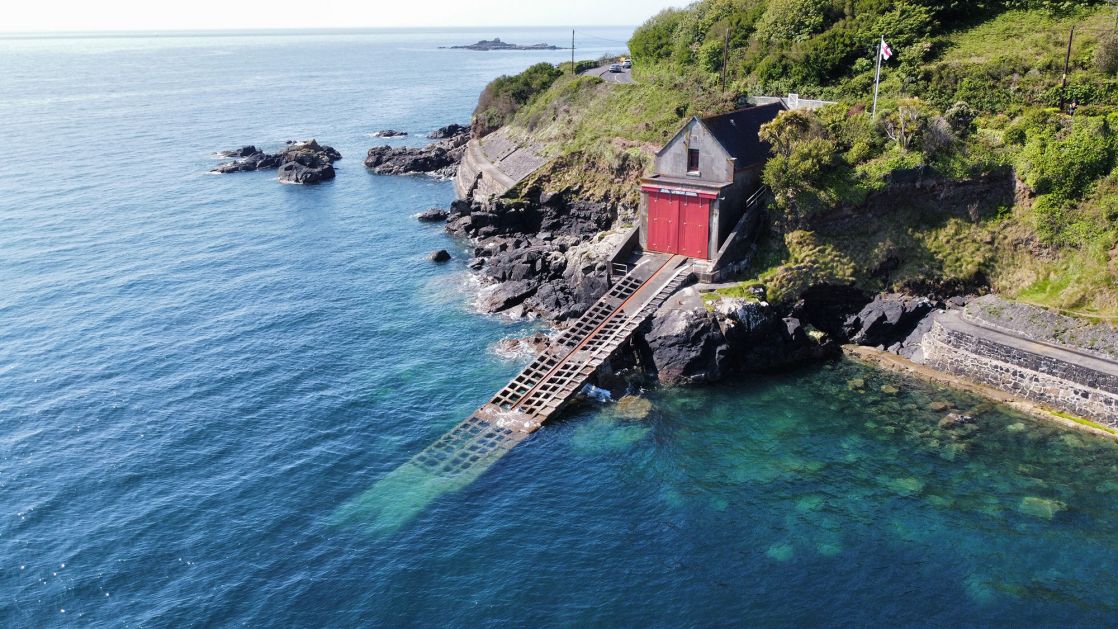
[624, 77]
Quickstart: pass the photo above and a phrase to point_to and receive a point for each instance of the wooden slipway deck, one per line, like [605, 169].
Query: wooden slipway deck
[556, 375]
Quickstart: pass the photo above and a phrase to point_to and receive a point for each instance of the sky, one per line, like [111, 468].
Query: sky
[23, 16]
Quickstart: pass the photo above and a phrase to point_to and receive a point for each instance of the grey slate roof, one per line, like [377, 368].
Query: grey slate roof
[737, 132]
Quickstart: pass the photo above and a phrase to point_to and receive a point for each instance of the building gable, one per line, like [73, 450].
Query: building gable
[714, 162]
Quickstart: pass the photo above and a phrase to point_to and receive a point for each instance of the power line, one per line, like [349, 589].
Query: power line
[606, 39]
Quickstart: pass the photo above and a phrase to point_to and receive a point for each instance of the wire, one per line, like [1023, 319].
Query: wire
[612, 41]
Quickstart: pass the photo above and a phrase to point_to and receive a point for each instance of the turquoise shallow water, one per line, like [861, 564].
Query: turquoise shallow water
[198, 373]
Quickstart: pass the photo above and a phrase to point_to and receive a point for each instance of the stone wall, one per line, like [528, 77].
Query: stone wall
[1062, 379]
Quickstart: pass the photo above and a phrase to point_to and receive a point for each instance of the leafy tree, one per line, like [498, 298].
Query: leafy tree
[791, 20]
[653, 40]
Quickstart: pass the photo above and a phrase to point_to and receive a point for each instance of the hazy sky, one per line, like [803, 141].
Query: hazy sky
[113, 15]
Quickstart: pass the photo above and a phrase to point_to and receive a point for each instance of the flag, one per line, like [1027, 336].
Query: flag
[886, 51]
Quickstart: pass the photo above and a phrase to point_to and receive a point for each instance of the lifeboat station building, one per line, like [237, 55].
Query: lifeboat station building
[703, 178]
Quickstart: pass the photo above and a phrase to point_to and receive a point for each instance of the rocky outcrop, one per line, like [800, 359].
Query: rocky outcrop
[433, 215]
[449, 131]
[687, 346]
[438, 159]
[552, 250]
[305, 162]
[497, 44]
[442, 255]
[389, 133]
[887, 320]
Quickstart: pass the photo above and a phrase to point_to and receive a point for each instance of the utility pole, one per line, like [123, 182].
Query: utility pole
[725, 57]
[1067, 63]
[573, 53]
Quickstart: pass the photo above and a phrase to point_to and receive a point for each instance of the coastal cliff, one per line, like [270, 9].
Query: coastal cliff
[873, 226]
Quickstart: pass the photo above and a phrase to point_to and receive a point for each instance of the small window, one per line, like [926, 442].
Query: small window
[692, 161]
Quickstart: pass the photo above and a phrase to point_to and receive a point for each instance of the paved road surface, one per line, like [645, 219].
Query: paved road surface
[625, 76]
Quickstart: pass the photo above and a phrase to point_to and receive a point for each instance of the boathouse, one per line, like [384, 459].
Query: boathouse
[702, 179]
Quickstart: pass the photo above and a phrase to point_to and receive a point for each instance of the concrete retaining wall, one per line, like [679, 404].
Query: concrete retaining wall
[1060, 378]
[494, 164]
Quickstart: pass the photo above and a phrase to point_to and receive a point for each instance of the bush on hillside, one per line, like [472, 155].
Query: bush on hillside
[653, 40]
[1106, 54]
[791, 20]
[506, 94]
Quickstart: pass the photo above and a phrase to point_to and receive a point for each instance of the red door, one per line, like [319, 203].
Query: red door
[678, 223]
[663, 222]
[694, 229]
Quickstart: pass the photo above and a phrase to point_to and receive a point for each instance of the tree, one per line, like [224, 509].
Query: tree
[790, 128]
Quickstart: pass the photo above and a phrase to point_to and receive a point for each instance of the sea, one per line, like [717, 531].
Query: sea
[199, 373]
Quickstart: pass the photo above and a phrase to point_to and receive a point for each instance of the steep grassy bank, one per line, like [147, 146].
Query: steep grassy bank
[968, 177]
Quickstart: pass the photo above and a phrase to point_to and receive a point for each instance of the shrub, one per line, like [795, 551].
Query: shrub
[506, 94]
[1106, 54]
[1066, 165]
[653, 40]
[961, 118]
[791, 20]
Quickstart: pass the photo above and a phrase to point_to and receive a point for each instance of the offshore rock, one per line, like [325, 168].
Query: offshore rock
[438, 159]
[442, 255]
[389, 133]
[242, 152]
[305, 162]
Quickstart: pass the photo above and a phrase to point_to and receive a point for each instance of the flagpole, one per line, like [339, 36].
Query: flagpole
[877, 77]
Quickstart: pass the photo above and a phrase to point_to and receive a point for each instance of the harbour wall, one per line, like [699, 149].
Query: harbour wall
[1061, 377]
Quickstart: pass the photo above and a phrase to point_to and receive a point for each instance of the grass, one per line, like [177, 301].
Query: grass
[1038, 37]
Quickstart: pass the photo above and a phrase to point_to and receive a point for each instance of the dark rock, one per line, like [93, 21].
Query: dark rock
[505, 295]
[438, 159]
[301, 173]
[442, 255]
[298, 162]
[497, 44]
[244, 151]
[886, 320]
[687, 346]
[433, 215]
[390, 133]
[761, 340]
[449, 131]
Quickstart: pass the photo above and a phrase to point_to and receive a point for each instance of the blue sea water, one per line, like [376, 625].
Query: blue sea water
[198, 372]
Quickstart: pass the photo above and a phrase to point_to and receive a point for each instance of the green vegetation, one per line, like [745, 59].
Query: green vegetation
[969, 175]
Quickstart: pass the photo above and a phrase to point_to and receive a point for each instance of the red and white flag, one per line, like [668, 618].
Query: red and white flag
[886, 51]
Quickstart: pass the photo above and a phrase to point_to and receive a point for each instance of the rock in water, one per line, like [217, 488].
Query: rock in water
[390, 133]
[442, 255]
[633, 407]
[438, 159]
[433, 215]
[449, 131]
[244, 151]
[298, 162]
[687, 346]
